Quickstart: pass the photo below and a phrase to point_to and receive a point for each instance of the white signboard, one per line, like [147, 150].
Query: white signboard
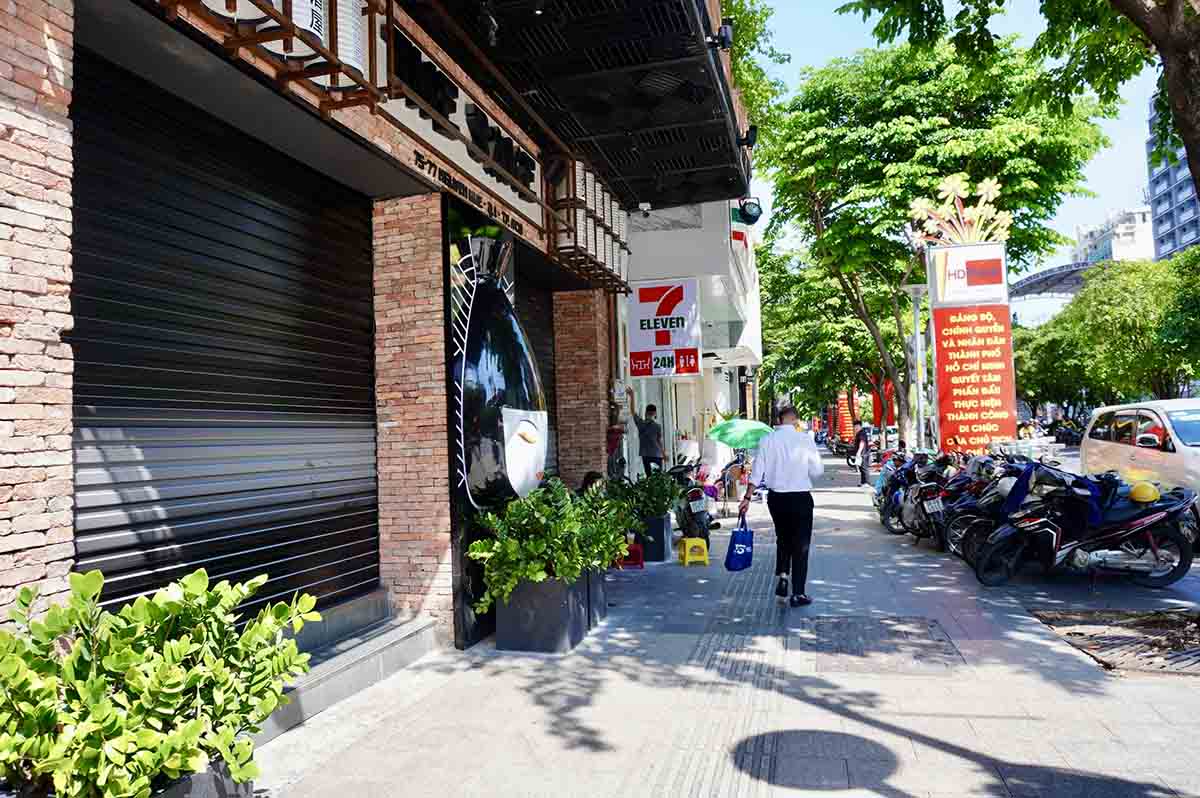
[968, 274]
[664, 328]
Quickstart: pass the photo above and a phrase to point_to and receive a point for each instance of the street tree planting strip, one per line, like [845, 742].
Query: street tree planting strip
[1165, 641]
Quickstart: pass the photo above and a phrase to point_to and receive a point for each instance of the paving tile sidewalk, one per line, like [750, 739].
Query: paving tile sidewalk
[904, 678]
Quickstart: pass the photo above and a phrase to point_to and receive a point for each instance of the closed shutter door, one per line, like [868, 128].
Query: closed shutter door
[224, 380]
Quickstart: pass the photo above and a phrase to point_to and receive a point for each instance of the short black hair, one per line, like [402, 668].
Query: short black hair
[902, 444]
[858, 423]
[786, 410]
[651, 408]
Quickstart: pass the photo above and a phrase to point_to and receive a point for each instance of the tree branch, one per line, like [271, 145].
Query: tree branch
[1148, 16]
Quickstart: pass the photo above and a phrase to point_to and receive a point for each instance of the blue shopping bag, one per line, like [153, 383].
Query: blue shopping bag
[741, 547]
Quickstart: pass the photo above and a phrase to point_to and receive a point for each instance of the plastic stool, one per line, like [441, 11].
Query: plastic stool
[693, 550]
[635, 559]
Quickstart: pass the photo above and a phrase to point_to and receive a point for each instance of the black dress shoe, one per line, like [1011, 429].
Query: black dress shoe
[800, 600]
[781, 587]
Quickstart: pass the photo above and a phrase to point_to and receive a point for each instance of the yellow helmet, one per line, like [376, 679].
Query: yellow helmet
[1145, 493]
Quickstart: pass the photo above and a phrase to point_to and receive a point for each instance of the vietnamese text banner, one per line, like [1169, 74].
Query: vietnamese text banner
[664, 328]
[976, 387]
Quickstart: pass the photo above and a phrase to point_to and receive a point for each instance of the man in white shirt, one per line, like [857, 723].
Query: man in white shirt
[788, 462]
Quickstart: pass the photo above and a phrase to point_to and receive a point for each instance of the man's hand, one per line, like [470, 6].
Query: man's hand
[744, 507]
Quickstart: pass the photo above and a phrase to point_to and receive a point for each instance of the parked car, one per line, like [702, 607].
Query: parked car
[1157, 441]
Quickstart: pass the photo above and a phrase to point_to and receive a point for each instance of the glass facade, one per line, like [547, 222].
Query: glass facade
[1173, 203]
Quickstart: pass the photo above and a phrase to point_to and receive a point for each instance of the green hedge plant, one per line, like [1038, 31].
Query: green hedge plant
[655, 494]
[551, 534]
[95, 704]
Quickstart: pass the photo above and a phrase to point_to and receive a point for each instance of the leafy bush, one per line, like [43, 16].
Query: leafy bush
[607, 519]
[550, 534]
[103, 705]
[655, 494]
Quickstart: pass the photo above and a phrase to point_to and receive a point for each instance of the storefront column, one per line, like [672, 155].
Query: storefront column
[581, 343]
[36, 485]
[410, 395]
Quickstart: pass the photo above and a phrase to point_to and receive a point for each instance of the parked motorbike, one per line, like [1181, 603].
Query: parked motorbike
[691, 513]
[1068, 522]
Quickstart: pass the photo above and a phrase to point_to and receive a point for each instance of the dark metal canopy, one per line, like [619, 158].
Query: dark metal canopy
[1058, 281]
[634, 86]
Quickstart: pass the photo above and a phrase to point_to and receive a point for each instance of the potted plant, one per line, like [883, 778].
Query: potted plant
[654, 495]
[607, 517]
[157, 699]
[532, 571]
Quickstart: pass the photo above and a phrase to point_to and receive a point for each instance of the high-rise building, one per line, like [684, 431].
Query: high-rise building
[1174, 206]
[1124, 235]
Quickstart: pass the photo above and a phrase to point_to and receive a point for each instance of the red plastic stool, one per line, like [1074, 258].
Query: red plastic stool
[636, 558]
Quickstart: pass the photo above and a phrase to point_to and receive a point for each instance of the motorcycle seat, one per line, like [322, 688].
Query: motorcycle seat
[1122, 511]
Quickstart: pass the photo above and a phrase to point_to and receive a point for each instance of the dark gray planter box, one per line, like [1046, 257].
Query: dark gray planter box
[597, 598]
[548, 617]
[657, 539]
[212, 783]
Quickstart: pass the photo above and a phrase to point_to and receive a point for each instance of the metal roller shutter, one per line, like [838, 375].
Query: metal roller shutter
[224, 374]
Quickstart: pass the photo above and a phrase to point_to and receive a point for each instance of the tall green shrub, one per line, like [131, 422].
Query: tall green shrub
[101, 705]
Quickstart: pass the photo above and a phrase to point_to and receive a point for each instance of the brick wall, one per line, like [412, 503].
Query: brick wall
[36, 520]
[410, 385]
[581, 355]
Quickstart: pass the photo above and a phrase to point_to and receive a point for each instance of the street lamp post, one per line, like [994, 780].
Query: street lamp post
[916, 292]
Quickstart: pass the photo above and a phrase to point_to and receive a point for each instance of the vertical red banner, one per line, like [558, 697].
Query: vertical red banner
[977, 401]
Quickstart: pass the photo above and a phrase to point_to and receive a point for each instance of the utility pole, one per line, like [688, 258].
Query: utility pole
[918, 348]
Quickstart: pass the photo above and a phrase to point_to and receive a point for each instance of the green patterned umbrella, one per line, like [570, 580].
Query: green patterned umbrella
[739, 433]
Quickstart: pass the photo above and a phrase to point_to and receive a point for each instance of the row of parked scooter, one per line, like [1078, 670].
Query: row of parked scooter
[1000, 512]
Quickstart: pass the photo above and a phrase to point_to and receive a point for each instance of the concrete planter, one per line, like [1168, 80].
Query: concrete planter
[597, 598]
[657, 538]
[548, 617]
[212, 783]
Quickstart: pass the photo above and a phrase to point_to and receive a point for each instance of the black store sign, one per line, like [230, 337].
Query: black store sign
[436, 89]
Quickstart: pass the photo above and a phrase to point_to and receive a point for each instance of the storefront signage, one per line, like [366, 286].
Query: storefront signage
[972, 329]
[441, 93]
[664, 328]
[463, 188]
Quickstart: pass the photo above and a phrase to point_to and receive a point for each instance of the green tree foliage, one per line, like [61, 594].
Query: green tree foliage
[814, 346]
[752, 51]
[1181, 327]
[1117, 322]
[1095, 45]
[1052, 367]
[866, 136]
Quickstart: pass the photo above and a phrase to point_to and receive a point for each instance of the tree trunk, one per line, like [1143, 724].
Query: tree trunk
[1181, 73]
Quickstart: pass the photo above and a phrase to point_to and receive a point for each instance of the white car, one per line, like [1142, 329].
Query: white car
[1157, 441]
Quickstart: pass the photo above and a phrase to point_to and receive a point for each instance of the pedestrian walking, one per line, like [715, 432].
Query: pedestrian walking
[787, 463]
[862, 450]
[650, 440]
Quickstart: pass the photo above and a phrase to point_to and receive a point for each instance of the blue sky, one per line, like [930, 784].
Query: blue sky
[813, 33]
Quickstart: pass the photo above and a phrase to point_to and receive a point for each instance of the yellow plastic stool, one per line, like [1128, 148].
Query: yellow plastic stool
[693, 550]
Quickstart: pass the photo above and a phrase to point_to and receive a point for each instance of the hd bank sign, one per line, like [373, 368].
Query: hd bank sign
[664, 328]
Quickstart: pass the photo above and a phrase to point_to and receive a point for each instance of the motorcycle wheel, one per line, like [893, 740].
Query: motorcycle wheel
[1174, 543]
[850, 462]
[939, 538]
[997, 562]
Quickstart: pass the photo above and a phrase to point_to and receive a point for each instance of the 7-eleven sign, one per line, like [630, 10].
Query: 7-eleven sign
[664, 328]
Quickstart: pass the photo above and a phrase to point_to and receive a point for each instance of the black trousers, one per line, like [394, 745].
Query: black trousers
[864, 468]
[652, 463]
[792, 514]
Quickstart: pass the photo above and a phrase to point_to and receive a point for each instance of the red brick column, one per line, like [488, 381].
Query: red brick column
[36, 516]
[410, 395]
[581, 369]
